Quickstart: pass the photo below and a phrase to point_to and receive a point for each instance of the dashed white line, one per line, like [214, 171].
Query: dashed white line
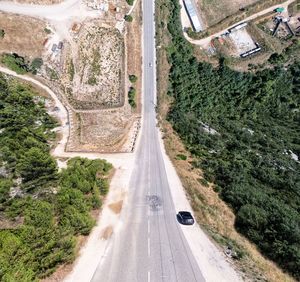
[149, 252]
[148, 226]
[149, 276]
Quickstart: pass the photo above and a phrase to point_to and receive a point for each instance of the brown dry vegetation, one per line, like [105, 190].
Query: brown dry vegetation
[23, 35]
[214, 11]
[215, 217]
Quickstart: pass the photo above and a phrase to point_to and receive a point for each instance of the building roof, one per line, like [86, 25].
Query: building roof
[192, 12]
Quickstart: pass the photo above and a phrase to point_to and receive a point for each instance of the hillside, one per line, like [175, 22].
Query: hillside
[242, 130]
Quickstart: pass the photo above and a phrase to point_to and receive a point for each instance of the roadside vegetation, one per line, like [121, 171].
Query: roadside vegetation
[131, 97]
[128, 18]
[242, 131]
[132, 91]
[2, 33]
[20, 65]
[42, 210]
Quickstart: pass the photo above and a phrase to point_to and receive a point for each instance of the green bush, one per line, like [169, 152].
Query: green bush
[2, 33]
[131, 97]
[36, 65]
[15, 63]
[36, 165]
[132, 78]
[181, 157]
[128, 18]
[47, 30]
[130, 2]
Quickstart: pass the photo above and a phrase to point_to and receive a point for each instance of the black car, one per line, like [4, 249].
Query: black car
[185, 218]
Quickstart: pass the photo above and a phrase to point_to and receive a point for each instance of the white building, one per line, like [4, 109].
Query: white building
[192, 13]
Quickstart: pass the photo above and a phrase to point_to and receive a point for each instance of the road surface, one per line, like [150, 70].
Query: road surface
[150, 246]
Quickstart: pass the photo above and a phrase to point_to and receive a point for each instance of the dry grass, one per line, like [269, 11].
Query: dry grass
[23, 35]
[214, 11]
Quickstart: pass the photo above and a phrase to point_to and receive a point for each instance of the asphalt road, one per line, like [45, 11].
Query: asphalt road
[150, 245]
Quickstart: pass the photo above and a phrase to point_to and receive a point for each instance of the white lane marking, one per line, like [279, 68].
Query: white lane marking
[149, 276]
[149, 253]
[148, 226]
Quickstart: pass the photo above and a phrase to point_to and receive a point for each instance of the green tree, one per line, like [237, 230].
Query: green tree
[36, 65]
[37, 165]
[128, 18]
[132, 78]
[15, 63]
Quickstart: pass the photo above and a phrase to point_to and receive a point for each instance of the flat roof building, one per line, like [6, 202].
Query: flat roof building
[192, 13]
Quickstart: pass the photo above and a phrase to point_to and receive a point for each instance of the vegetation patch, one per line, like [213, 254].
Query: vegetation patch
[128, 18]
[131, 97]
[15, 63]
[132, 78]
[47, 209]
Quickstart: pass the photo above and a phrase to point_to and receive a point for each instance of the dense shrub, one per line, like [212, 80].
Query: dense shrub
[131, 97]
[15, 63]
[132, 78]
[128, 18]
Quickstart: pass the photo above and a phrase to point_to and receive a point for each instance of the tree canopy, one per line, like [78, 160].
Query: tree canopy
[47, 209]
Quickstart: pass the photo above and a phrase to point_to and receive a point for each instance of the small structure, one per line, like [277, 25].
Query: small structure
[279, 10]
[242, 40]
[250, 52]
[54, 47]
[192, 13]
[60, 45]
[278, 21]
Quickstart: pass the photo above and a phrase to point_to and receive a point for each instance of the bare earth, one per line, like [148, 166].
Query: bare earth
[23, 35]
